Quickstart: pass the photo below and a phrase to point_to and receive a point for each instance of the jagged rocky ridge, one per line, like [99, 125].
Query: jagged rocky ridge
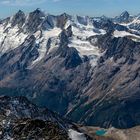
[20, 119]
[82, 67]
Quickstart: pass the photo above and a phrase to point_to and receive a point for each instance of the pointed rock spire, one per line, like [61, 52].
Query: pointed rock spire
[18, 19]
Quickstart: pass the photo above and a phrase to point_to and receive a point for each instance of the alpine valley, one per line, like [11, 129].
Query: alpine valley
[86, 69]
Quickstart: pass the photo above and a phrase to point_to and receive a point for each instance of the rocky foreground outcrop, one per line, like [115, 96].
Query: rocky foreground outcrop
[22, 120]
[19, 119]
[32, 129]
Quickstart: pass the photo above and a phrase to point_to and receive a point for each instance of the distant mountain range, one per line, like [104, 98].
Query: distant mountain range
[85, 68]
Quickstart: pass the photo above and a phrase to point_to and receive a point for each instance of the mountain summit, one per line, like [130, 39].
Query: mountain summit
[123, 18]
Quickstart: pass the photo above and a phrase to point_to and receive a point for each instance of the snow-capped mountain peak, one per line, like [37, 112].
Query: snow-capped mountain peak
[124, 14]
[46, 29]
[78, 30]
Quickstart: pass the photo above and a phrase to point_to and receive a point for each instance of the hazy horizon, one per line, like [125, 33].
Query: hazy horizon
[109, 8]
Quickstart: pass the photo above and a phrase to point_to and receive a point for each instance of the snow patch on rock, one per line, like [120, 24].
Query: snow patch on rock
[123, 34]
[43, 41]
[74, 135]
[80, 41]
[10, 38]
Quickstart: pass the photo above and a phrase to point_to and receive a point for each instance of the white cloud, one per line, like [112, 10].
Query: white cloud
[24, 2]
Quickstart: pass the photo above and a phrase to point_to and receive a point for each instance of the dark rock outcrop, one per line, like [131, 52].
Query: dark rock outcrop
[19, 119]
[18, 19]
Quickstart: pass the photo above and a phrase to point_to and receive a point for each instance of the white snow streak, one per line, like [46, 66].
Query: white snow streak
[46, 35]
[74, 135]
[10, 38]
[123, 34]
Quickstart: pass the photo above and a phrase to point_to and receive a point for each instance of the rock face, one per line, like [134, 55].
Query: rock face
[84, 68]
[16, 108]
[22, 120]
[113, 92]
[33, 129]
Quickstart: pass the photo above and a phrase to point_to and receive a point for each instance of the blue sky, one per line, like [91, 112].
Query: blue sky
[81, 7]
